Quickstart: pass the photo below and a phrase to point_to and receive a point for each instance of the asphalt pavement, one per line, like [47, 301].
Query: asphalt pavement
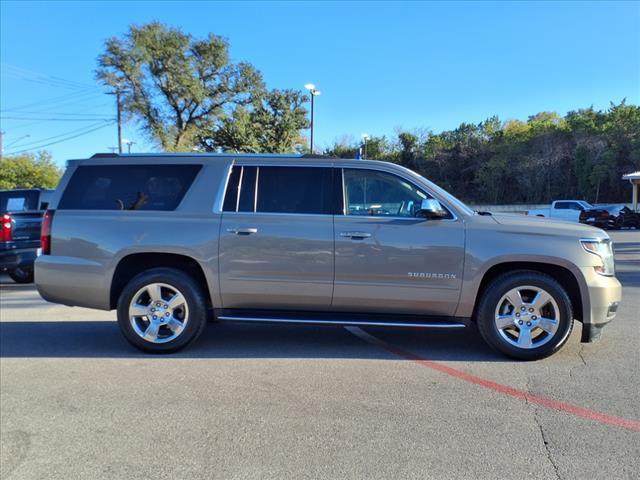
[298, 402]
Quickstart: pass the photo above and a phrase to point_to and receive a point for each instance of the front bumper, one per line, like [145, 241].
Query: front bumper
[604, 295]
[17, 258]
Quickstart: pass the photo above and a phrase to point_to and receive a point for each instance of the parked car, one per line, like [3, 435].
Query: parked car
[568, 210]
[173, 240]
[611, 217]
[21, 212]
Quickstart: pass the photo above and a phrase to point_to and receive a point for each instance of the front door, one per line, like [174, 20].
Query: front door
[276, 238]
[389, 260]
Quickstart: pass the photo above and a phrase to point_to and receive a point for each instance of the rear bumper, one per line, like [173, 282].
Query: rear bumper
[17, 258]
[72, 281]
[605, 223]
[605, 294]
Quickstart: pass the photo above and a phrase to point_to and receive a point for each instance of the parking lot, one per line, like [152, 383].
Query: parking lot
[313, 402]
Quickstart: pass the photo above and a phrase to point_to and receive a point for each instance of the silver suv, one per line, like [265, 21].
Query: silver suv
[173, 240]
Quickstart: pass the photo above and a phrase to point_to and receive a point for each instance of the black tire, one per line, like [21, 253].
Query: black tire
[486, 314]
[195, 300]
[22, 275]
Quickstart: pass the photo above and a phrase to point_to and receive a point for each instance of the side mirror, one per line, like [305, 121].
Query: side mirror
[431, 208]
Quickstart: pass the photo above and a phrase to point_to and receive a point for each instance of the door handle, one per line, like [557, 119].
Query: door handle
[355, 235]
[242, 231]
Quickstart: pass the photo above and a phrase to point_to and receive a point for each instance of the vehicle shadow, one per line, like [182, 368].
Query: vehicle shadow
[102, 339]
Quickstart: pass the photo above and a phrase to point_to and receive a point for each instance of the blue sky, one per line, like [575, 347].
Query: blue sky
[379, 65]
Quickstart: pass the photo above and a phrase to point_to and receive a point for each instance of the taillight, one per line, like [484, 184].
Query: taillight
[6, 229]
[45, 232]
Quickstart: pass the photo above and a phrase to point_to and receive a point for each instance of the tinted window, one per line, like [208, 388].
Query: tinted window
[18, 201]
[233, 186]
[128, 187]
[294, 190]
[373, 193]
[248, 190]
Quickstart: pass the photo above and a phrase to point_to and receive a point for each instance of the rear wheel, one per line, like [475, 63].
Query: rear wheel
[22, 275]
[526, 315]
[162, 310]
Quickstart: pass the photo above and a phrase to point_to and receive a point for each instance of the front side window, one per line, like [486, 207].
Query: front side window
[374, 193]
[301, 190]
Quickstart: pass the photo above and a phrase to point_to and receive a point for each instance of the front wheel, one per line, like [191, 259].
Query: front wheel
[162, 310]
[526, 315]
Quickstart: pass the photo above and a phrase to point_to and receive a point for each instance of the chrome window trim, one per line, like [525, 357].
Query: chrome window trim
[282, 214]
[344, 193]
[255, 191]
[239, 188]
[222, 192]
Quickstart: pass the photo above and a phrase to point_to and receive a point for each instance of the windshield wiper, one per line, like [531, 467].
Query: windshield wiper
[484, 214]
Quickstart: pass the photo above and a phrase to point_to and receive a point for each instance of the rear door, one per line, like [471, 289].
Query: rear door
[389, 260]
[276, 238]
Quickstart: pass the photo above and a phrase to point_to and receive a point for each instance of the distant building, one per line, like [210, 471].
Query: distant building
[634, 178]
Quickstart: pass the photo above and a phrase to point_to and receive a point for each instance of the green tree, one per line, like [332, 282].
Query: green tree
[29, 171]
[178, 87]
[270, 124]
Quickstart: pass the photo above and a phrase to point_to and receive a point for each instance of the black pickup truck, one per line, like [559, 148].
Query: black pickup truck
[21, 212]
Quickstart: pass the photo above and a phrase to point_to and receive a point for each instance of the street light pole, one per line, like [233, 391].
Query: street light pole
[365, 137]
[313, 92]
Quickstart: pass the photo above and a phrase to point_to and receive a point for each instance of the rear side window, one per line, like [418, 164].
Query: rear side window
[18, 201]
[128, 187]
[303, 190]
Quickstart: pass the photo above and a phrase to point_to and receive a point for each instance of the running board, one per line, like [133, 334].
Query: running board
[345, 322]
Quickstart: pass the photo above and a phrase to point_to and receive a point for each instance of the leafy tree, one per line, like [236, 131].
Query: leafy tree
[344, 147]
[581, 155]
[270, 124]
[178, 87]
[29, 171]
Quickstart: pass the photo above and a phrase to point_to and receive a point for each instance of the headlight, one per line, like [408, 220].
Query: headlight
[601, 248]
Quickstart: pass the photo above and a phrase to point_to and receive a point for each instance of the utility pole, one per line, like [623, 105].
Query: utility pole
[118, 106]
[1, 144]
[118, 92]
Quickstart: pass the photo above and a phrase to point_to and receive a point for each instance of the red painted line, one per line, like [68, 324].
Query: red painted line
[633, 425]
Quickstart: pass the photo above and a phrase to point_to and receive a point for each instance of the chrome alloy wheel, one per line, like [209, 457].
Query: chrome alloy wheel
[158, 313]
[527, 317]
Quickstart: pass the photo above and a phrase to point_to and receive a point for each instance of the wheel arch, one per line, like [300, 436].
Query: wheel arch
[561, 274]
[132, 264]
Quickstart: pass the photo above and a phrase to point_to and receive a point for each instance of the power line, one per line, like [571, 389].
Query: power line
[60, 141]
[77, 130]
[38, 77]
[57, 119]
[23, 126]
[62, 99]
[54, 113]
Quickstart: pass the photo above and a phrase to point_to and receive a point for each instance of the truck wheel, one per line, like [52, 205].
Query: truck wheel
[21, 275]
[525, 315]
[162, 310]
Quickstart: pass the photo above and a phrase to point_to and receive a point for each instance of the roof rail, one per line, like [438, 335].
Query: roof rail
[202, 154]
